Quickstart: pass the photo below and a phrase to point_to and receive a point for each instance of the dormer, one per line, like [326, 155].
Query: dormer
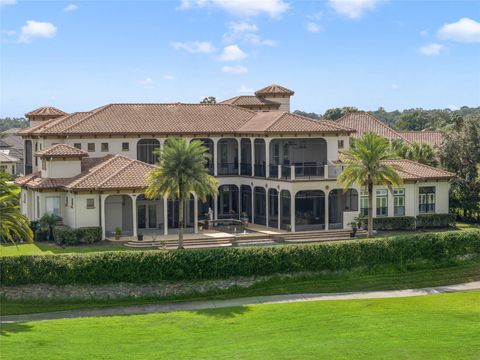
[43, 114]
[61, 161]
[278, 94]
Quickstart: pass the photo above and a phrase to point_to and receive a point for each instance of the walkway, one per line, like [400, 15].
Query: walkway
[215, 304]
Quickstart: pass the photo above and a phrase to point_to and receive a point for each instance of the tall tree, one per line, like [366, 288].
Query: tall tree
[13, 224]
[209, 100]
[366, 167]
[421, 153]
[460, 153]
[337, 113]
[182, 170]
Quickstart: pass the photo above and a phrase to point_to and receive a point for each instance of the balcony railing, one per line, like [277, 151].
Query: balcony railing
[227, 169]
[246, 169]
[292, 172]
[260, 170]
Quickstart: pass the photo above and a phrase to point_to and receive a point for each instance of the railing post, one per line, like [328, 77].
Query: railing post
[279, 171]
[326, 175]
[292, 172]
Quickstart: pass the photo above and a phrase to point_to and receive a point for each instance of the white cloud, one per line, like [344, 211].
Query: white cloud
[235, 69]
[194, 47]
[7, 2]
[37, 29]
[8, 32]
[315, 16]
[147, 83]
[232, 53]
[246, 32]
[464, 30]
[353, 9]
[313, 27]
[244, 90]
[424, 33]
[70, 8]
[169, 77]
[273, 8]
[432, 49]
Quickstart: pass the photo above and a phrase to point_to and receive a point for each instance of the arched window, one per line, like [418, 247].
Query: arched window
[228, 202]
[28, 157]
[285, 214]
[260, 204]
[246, 200]
[272, 208]
[145, 150]
[310, 210]
[339, 202]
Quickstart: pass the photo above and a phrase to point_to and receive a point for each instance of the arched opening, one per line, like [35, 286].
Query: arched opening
[228, 202]
[204, 207]
[285, 210]
[310, 210]
[146, 150]
[260, 200]
[246, 151]
[273, 208]
[227, 157]
[208, 143]
[339, 202]
[28, 157]
[246, 201]
[149, 213]
[308, 156]
[118, 214]
[188, 214]
[260, 162]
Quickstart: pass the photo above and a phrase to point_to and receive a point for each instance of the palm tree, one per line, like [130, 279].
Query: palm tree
[13, 224]
[182, 170]
[366, 167]
[46, 224]
[422, 153]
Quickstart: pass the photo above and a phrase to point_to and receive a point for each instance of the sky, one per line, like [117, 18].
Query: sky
[366, 53]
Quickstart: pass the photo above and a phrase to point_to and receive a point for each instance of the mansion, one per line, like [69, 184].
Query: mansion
[273, 167]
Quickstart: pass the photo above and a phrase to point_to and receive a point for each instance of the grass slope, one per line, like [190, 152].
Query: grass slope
[426, 327]
[378, 278]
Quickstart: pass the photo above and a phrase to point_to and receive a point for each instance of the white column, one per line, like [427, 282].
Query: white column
[325, 172]
[215, 207]
[279, 171]
[253, 204]
[267, 208]
[239, 142]
[292, 211]
[326, 210]
[215, 155]
[252, 141]
[102, 199]
[292, 172]
[134, 214]
[267, 157]
[278, 212]
[165, 215]
[195, 213]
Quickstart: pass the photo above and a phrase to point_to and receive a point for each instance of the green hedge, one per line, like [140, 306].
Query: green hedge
[154, 266]
[392, 223]
[436, 220]
[87, 235]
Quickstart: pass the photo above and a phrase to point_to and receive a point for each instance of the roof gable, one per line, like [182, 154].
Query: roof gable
[61, 151]
[364, 122]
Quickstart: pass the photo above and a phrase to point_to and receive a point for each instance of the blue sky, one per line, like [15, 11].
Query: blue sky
[365, 53]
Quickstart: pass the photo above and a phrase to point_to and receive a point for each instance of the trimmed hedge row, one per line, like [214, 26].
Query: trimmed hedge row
[436, 220]
[154, 266]
[393, 223]
[64, 235]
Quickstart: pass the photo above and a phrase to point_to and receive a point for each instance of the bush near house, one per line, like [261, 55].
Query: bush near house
[66, 236]
[154, 266]
[393, 223]
[436, 220]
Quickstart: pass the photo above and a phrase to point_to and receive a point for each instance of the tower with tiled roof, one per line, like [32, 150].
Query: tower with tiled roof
[42, 114]
[277, 94]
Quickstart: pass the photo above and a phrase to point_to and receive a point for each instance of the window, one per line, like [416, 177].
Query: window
[91, 147]
[125, 146]
[426, 200]
[399, 202]
[53, 205]
[71, 202]
[364, 202]
[90, 203]
[66, 200]
[13, 169]
[77, 145]
[36, 157]
[382, 202]
[104, 147]
[44, 164]
[340, 144]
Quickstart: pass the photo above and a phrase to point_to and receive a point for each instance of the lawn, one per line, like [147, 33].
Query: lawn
[442, 326]
[377, 278]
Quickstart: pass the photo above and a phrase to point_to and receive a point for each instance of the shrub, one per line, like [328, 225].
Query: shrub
[63, 235]
[392, 223]
[154, 266]
[89, 235]
[435, 220]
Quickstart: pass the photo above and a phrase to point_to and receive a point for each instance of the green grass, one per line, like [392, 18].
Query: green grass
[441, 326]
[379, 278]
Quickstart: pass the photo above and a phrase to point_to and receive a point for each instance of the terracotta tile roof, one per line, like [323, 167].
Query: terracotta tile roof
[364, 122]
[250, 101]
[284, 122]
[90, 162]
[274, 89]
[61, 151]
[7, 158]
[36, 182]
[23, 180]
[433, 138]
[171, 119]
[47, 111]
[116, 172]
